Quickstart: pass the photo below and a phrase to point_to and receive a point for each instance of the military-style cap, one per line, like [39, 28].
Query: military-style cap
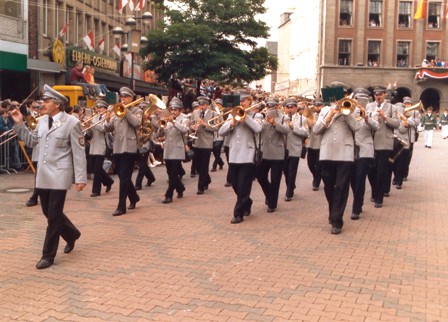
[318, 101]
[244, 95]
[272, 101]
[290, 102]
[219, 101]
[176, 104]
[194, 104]
[361, 90]
[50, 93]
[377, 89]
[126, 91]
[143, 104]
[407, 100]
[203, 100]
[429, 108]
[359, 96]
[101, 104]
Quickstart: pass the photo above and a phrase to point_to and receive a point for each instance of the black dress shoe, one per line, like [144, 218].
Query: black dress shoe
[355, 216]
[336, 231]
[378, 205]
[167, 200]
[372, 199]
[109, 186]
[228, 184]
[288, 199]
[315, 188]
[118, 212]
[132, 205]
[95, 195]
[220, 167]
[137, 187]
[237, 220]
[31, 203]
[149, 183]
[271, 209]
[247, 213]
[69, 247]
[386, 194]
[43, 263]
[200, 192]
[213, 170]
[192, 175]
[398, 186]
[405, 179]
[180, 195]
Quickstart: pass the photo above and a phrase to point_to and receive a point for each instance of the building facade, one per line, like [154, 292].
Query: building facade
[50, 35]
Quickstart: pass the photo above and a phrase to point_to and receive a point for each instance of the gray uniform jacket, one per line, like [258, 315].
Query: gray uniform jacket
[384, 135]
[404, 133]
[174, 148]
[98, 141]
[204, 134]
[337, 139]
[314, 139]
[273, 138]
[125, 130]
[241, 139]
[415, 116]
[61, 151]
[364, 137]
[294, 139]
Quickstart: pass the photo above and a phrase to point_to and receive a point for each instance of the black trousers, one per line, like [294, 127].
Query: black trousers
[125, 166]
[381, 173]
[290, 170]
[174, 170]
[336, 176]
[241, 176]
[226, 152]
[52, 203]
[400, 166]
[217, 146]
[99, 175]
[35, 194]
[270, 188]
[144, 170]
[358, 183]
[411, 151]
[314, 166]
[203, 162]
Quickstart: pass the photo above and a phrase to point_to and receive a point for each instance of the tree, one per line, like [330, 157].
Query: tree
[210, 39]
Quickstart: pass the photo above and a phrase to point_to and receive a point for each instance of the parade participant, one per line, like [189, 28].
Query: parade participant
[313, 147]
[444, 123]
[336, 159]
[61, 158]
[241, 172]
[144, 171]
[383, 143]
[203, 144]
[97, 151]
[174, 150]
[275, 127]
[125, 148]
[294, 141]
[192, 137]
[218, 142]
[415, 114]
[363, 150]
[429, 124]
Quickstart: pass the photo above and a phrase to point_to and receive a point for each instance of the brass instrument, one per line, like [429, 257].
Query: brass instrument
[238, 113]
[30, 122]
[146, 130]
[88, 120]
[164, 118]
[418, 106]
[347, 105]
[120, 109]
[404, 145]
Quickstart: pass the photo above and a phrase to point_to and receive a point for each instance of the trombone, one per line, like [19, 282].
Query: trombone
[120, 109]
[238, 113]
[31, 123]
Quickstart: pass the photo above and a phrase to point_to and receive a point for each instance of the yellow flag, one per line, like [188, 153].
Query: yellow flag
[422, 8]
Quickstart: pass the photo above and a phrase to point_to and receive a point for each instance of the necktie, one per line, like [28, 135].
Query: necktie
[50, 122]
[202, 115]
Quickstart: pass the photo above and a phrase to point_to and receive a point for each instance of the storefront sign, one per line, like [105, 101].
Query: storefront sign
[100, 62]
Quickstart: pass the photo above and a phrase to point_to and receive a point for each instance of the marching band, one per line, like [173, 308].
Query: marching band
[345, 141]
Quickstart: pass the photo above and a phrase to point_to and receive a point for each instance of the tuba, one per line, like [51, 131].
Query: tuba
[146, 130]
[418, 106]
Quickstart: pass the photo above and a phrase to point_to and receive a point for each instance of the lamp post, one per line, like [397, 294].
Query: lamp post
[134, 39]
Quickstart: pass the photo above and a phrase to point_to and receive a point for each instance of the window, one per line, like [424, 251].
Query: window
[45, 17]
[12, 9]
[346, 13]
[344, 52]
[404, 14]
[434, 10]
[375, 13]
[78, 27]
[403, 53]
[373, 56]
[432, 51]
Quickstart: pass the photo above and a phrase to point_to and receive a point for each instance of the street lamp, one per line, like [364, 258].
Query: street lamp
[135, 39]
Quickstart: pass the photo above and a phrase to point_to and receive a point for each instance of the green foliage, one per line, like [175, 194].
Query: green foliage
[214, 39]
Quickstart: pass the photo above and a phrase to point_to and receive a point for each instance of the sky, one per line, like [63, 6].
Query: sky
[272, 16]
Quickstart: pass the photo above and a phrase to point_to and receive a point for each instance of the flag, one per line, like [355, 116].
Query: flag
[445, 16]
[88, 39]
[128, 57]
[422, 9]
[101, 44]
[117, 49]
[140, 5]
[131, 5]
[121, 5]
[64, 30]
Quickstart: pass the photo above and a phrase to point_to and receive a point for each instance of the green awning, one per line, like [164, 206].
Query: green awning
[12, 61]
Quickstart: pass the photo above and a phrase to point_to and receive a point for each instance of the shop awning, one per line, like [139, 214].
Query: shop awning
[44, 66]
[13, 61]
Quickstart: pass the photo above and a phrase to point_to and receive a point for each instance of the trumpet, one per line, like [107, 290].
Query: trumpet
[120, 109]
[31, 123]
[238, 113]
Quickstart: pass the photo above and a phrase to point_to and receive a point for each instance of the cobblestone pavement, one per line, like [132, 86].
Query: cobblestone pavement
[185, 262]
